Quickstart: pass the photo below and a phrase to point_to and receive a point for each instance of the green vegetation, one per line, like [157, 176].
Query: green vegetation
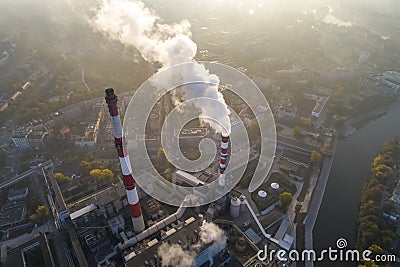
[286, 199]
[297, 132]
[372, 229]
[285, 186]
[87, 166]
[315, 156]
[102, 175]
[61, 178]
[305, 121]
[42, 213]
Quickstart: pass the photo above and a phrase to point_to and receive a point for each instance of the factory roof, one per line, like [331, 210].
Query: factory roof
[27, 250]
[250, 233]
[185, 236]
[17, 193]
[190, 179]
[282, 229]
[21, 133]
[101, 198]
[12, 212]
[83, 211]
[287, 242]
[297, 156]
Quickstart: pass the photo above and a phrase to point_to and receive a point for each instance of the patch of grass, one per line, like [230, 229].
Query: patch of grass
[285, 185]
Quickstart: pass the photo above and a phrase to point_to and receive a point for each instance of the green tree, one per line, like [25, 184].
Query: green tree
[382, 172]
[286, 199]
[305, 121]
[297, 132]
[102, 175]
[168, 177]
[41, 214]
[315, 156]
[378, 161]
[374, 194]
[61, 178]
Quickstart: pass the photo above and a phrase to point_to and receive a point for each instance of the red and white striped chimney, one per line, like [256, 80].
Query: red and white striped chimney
[129, 181]
[223, 156]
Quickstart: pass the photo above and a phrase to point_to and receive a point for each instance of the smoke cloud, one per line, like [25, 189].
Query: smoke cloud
[133, 24]
[174, 255]
[210, 233]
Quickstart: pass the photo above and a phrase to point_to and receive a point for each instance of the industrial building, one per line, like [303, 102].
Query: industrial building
[35, 252]
[123, 226]
[17, 194]
[89, 138]
[12, 214]
[29, 138]
[387, 83]
[185, 179]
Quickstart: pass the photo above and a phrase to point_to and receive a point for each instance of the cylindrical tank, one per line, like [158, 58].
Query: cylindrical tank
[242, 203]
[235, 207]
[240, 244]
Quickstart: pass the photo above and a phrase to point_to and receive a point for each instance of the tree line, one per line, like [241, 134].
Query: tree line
[373, 231]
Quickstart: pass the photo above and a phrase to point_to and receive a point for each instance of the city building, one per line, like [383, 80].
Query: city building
[35, 252]
[17, 194]
[29, 138]
[392, 79]
[89, 139]
[319, 107]
[20, 139]
[36, 138]
[387, 84]
[12, 214]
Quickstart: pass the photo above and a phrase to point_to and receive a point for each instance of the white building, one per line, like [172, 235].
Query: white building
[180, 177]
[17, 194]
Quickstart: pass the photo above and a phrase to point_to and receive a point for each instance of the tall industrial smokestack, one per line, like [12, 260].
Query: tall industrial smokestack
[223, 157]
[129, 181]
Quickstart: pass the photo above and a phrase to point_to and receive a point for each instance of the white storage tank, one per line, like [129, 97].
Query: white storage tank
[235, 207]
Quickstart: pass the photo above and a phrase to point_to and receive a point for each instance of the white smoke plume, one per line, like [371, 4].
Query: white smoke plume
[132, 24]
[211, 233]
[174, 255]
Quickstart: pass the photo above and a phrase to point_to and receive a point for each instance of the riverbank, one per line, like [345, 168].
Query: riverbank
[315, 205]
[377, 218]
[354, 124]
[337, 217]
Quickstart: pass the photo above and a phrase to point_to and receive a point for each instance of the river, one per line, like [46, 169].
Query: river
[337, 216]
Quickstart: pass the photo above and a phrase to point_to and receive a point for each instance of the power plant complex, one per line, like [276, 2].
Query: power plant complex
[122, 225]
